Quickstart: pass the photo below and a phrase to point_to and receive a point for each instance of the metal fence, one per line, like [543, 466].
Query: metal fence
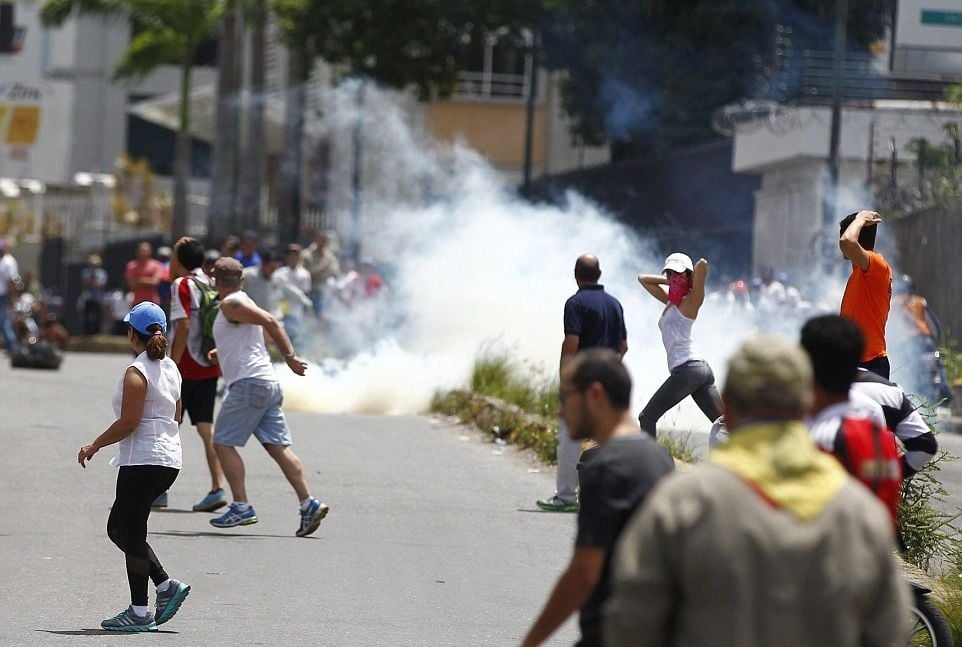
[928, 244]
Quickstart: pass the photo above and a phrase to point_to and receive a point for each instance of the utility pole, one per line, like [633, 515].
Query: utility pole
[357, 171]
[529, 115]
[831, 188]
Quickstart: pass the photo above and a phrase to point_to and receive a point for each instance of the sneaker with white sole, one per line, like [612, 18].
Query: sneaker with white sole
[169, 601]
[311, 517]
[129, 621]
[214, 499]
[235, 517]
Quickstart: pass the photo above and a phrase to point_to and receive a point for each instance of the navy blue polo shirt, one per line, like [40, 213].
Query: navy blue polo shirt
[596, 317]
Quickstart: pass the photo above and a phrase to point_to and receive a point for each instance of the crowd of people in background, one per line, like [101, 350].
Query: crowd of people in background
[301, 284]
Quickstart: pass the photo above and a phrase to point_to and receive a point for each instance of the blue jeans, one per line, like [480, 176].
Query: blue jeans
[252, 406]
[692, 378]
[6, 326]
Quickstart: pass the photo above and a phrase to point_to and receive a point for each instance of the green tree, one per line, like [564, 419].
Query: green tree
[170, 32]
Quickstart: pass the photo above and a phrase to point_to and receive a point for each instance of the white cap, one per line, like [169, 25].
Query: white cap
[678, 262]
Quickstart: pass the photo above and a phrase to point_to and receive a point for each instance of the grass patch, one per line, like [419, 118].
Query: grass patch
[951, 359]
[504, 397]
[681, 449]
[930, 536]
[497, 375]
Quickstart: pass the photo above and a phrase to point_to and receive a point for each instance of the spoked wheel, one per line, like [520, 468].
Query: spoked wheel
[929, 626]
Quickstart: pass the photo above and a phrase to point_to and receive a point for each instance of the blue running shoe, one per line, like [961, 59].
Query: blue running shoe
[311, 517]
[160, 501]
[214, 499]
[170, 600]
[129, 621]
[235, 517]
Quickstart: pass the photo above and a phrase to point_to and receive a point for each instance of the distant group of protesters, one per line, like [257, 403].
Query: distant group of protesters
[298, 283]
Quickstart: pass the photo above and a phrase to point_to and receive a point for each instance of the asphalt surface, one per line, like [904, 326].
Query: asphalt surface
[432, 538]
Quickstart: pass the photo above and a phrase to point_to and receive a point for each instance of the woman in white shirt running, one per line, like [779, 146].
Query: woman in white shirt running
[148, 410]
[689, 374]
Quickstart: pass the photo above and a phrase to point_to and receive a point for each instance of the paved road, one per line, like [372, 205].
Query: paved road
[431, 540]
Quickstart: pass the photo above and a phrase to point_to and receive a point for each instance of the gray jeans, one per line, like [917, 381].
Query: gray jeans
[568, 454]
[692, 378]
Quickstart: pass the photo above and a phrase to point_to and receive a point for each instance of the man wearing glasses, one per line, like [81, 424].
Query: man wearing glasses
[616, 476]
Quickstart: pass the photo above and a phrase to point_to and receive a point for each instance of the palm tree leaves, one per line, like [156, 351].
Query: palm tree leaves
[147, 50]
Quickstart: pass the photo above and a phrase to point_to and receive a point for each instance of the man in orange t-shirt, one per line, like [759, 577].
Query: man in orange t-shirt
[868, 292]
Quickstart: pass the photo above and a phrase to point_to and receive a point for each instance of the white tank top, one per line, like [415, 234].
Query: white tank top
[241, 350]
[676, 335]
[156, 440]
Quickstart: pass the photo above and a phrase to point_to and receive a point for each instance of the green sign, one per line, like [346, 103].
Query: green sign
[943, 18]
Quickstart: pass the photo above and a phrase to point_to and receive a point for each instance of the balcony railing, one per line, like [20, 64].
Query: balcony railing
[484, 85]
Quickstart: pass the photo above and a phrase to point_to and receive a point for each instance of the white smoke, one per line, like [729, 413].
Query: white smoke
[473, 266]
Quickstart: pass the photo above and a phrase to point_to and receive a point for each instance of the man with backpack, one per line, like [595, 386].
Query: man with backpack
[839, 425]
[193, 307]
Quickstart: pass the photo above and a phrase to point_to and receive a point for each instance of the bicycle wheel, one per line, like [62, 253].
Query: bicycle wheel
[929, 626]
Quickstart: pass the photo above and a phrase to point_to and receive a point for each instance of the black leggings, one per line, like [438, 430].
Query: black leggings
[137, 487]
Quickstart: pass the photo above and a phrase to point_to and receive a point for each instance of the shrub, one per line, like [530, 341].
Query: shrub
[496, 374]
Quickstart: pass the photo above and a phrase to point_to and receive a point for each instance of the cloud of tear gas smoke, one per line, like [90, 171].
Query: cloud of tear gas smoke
[470, 266]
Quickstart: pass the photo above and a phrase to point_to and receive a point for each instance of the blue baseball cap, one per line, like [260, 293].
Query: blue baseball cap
[142, 315]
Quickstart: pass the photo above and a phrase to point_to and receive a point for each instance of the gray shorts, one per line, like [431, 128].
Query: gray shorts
[252, 406]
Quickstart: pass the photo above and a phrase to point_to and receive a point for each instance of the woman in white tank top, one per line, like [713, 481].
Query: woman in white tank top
[689, 374]
[148, 409]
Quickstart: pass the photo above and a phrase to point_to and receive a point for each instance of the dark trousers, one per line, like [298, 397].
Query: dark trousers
[137, 487]
[92, 314]
[878, 365]
[694, 378]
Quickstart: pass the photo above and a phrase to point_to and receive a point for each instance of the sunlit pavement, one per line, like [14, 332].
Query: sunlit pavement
[432, 538]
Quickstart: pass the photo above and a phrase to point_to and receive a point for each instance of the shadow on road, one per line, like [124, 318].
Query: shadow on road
[222, 535]
[101, 632]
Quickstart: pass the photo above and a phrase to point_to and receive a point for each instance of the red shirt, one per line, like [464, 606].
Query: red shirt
[184, 305]
[866, 301]
[136, 271]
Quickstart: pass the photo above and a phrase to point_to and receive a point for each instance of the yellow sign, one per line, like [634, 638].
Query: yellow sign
[24, 124]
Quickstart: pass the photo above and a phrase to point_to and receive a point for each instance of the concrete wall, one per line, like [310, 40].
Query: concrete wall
[494, 129]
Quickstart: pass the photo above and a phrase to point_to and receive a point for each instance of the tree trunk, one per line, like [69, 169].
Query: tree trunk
[289, 208]
[178, 225]
[221, 218]
[252, 170]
